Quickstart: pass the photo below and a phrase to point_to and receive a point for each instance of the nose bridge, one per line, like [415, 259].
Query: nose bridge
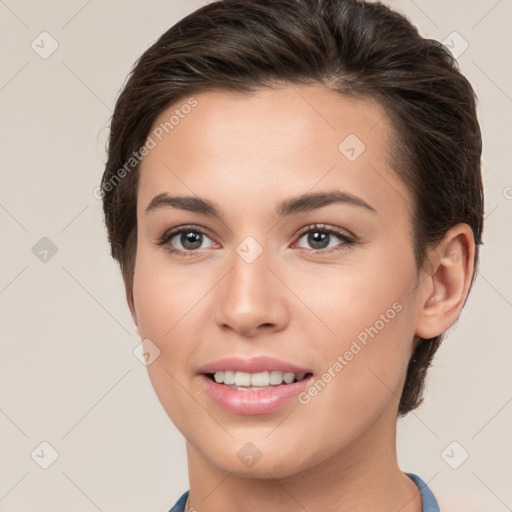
[251, 296]
[250, 273]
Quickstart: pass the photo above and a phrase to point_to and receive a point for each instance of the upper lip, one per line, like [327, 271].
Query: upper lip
[251, 365]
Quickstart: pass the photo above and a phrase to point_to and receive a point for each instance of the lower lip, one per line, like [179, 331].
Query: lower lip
[253, 402]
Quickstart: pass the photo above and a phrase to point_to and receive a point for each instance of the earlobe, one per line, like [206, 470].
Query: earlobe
[447, 285]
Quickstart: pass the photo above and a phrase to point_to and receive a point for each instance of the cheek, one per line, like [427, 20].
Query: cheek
[163, 296]
[162, 300]
[363, 372]
[369, 310]
[165, 303]
[352, 297]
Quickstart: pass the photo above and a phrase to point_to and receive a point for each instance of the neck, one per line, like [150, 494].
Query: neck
[361, 476]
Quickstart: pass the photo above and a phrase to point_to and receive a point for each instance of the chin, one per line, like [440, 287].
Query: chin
[244, 459]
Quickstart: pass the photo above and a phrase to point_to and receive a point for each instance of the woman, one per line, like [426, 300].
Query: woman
[293, 193]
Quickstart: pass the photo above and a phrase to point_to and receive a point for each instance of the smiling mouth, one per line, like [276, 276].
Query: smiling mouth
[245, 381]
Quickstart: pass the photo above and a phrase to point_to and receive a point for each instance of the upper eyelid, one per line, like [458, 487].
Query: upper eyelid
[326, 227]
[171, 233]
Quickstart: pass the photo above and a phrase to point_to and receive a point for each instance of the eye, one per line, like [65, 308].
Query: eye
[319, 237]
[188, 240]
[184, 240]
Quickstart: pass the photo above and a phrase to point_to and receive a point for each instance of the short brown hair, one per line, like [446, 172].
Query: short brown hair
[355, 48]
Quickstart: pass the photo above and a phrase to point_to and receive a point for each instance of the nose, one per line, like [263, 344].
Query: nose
[252, 300]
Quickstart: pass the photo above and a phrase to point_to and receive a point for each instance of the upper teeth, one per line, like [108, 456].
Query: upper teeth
[272, 378]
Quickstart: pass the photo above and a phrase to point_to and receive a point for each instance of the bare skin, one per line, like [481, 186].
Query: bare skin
[295, 301]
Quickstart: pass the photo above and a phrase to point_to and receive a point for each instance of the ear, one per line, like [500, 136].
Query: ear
[444, 289]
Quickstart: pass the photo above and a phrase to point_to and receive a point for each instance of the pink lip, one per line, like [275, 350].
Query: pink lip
[253, 402]
[251, 365]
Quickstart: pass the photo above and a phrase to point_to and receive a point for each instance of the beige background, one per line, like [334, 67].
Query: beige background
[67, 372]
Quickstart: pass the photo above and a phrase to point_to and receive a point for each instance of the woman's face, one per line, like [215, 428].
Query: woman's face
[260, 280]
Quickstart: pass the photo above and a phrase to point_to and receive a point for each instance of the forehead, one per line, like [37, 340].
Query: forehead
[274, 142]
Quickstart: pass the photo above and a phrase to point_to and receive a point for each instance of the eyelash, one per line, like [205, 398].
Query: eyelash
[321, 228]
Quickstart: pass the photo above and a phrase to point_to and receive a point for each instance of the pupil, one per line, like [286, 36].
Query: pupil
[317, 239]
[192, 238]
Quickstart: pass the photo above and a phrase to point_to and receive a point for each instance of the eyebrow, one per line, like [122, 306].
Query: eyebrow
[291, 206]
